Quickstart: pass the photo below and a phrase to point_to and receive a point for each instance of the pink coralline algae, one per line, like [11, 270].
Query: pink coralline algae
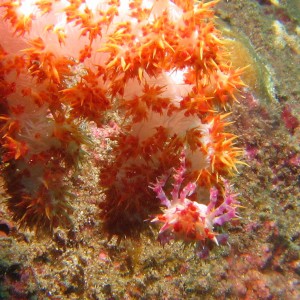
[290, 121]
[190, 221]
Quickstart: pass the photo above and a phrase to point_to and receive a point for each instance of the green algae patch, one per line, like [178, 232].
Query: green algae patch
[258, 75]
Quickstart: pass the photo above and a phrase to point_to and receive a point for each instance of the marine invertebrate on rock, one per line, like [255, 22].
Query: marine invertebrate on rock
[174, 86]
[191, 221]
[160, 64]
[41, 141]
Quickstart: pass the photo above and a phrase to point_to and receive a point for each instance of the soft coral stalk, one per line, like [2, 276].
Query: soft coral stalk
[40, 142]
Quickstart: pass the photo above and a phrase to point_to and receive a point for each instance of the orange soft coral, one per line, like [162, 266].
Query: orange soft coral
[176, 83]
[160, 64]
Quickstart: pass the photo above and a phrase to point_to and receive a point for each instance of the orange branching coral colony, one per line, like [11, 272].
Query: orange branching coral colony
[162, 66]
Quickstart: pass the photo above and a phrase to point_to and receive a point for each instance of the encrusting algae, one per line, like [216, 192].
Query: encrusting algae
[162, 65]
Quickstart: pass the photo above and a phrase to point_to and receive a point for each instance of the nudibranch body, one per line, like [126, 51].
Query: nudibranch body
[189, 221]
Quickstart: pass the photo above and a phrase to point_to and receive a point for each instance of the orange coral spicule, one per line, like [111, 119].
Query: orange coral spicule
[161, 64]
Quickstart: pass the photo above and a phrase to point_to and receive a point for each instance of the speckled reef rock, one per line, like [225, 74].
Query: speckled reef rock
[261, 259]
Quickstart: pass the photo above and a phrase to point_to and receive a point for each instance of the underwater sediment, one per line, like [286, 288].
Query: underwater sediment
[263, 243]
